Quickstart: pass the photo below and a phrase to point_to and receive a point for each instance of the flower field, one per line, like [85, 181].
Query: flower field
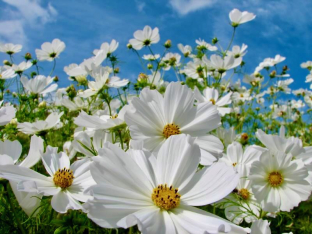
[194, 144]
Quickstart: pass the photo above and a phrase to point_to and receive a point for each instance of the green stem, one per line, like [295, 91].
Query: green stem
[53, 68]
[231, 40]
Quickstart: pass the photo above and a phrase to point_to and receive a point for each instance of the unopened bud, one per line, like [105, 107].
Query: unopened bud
[142, 77]
[150, 66]
[27, 56]
[6, 62]
[129, 46]
[272, 74]
[56, 79]
[33, 74]
[214, 40]
[116, 70]
[13, 121]
[82, 80]
[42, 104]
[34, 62]
[285, 68]
[167, 44]
[244, 138]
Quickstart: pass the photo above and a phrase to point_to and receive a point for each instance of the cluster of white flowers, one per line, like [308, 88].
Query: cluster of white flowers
[151, 155]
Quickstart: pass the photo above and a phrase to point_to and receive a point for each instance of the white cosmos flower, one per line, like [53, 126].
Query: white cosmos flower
[260, 227]
[171, 60]
[237, 17]
[280, 111]
[90, 145]
[102, 79]
[69, 149]
[86, 67]
[158, 194]
[226, 135]
[145, 38]
[7, 73]
[77, 103]
[104, 121]
[278, 182]
[6, 114]
[240, 159]
[241, 203]
[20, 68]
[238, 51]
[10, 152]
[151, 57]
[39, 84]
[109, 48]
[223, 64]
[10, 48]
[270, 62]
[241, 96]
[50, 51]
[282, 85]
[212, 95]
[195, 69]
[155, 79]
[201, 44]
[152, 119]
[66, 182]
[307, 64]
[185, 50]
[41, 125]
[253, 79]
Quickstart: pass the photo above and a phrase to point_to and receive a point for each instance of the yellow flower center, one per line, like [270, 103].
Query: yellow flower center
[114, 116]
[275, 179]
[241, 95]
[213, 101]
[234, 164]
[171, 129]
[166, 198]
[244, 193]
[63, 178]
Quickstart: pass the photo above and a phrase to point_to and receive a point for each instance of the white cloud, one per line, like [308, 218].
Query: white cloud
[184, 7]
[32, 11]
[21, 14]
[140, 5]
[12, 31]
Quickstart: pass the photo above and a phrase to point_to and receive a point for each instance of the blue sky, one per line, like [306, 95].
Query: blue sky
[281, 27]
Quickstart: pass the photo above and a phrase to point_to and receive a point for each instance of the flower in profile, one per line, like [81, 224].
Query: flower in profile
[66, 182]
[6, 114]
[185, 50]
[212, 95]
[171, 60]
[202, 45]
[41, 125]
[278, 182]
[237, 17]
[145, 37]
[10, 152]
[153, 119]
[20, 68]
[221, 65]
[109, 48]
[7, 73]
[307, 65]
[10, 48]
[151, 57]
[39, 84]
[282, 85]
[262, 227]
[158, 193]
[238, 51]
[50, 51]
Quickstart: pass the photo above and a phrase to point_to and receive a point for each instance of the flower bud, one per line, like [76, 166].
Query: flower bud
[149, 66]
[13, 121]
[6, 62]
[56, 79]
[214, 40]
[272, 74]
[27, 56]
[167, 44]
[42, 104]
[116, 70]
[82, 80]
[33, 74]
[129, 46]
[142, 77]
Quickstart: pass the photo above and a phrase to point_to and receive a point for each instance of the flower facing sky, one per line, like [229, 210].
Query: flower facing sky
[50, 51]
[39, 84]
[10, 48]
[237, 17]
[145, 37]
[152, 119]
[158, 194]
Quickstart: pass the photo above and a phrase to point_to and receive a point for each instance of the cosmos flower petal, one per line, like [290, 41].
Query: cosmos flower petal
[210, 185]
[63, 201]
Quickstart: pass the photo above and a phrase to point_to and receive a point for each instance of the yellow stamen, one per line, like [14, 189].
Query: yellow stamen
[165, 197]
[244, 193]
[171, 129]
[63, 178]
[213, 101]
[114, 116]
[275, 179]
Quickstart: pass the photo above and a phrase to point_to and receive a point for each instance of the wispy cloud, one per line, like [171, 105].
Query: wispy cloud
[184, 7]
[20, 14]
[140, 5]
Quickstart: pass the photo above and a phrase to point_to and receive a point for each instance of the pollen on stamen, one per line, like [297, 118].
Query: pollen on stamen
[275, 179]
[165, 197]
[171, 129]
[63, 178]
